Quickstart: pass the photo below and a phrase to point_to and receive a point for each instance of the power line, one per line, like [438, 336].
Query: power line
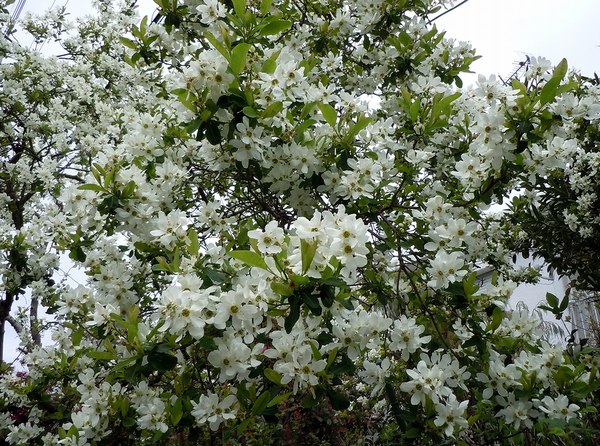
[14, 16]
[18, 10]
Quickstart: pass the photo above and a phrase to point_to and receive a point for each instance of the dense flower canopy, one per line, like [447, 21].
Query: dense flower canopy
[281, 205]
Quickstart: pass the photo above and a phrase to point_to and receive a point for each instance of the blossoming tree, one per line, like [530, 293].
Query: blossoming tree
[291, 214]
[55, 112]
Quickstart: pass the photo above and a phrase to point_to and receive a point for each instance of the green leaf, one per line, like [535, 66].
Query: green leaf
[273, 376]
[124, 406]
[299, 130]
[312, 302]
[299, 281]
[315, 351]
[327, 295]
[470, 285]
[123, 364]
[332, 355]
[552, 300]
[413, 110]
[207, 343]
[128, 43]
[129, 422]
[361, 124]
[216, 277]
[329, 114]
[549, 90]
[261, 403]
[239, 56]
[564, 303]
[310, 400]
[444, 103]
[275, 27]
[143, 24]
[559, 432]
[76, 336]
[292, 318]
[344, 366]
[250, 258]
[265, 5]
[213, 132]
[240, 8]
[346, 303]
[339, 401]
[546, 308]
[497, 317]
[176, 412]
[272, 109]
[218, 45]
[188, 100]
[413, 432]
[441, 106]
[241, 428]
[94, 187]
[333, 281]
[279, 399]
[282, 288]
[129, 190]
[561, 70]
[162, 265]
[194, 245]
[269, 66]
[250, 112]
[308, 251]
[161, 361]
[102, 356]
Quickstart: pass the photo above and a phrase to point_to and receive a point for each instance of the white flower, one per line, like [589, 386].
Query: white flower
[234, 305]
[427, 381]
[452, 415]
[270, 240]
[233, 358]
[152, 415]
[406, 336]
[182, 310]
[211, 11]
[210, 409]
[307, 369]
[445, 269]
[170, 228]
[558, 407]
[310, 230]
[374, 375]
[516, 411]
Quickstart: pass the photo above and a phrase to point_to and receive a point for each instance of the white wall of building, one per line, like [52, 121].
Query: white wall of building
[534, 295]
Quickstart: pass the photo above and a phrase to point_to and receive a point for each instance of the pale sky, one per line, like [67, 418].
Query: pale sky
[504, 32]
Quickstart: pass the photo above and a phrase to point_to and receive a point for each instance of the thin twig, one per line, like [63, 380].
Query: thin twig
[447, 11]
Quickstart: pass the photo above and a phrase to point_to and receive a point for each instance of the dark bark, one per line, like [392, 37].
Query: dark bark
[5, 306]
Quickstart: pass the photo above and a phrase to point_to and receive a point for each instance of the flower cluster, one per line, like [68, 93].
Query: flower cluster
[276, 204]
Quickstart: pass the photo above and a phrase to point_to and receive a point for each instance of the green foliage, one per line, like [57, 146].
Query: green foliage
[269, 259]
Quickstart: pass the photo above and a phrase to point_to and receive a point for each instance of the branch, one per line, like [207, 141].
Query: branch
[447, 11]
[16, 325]
[34, 323]
[72, 177]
